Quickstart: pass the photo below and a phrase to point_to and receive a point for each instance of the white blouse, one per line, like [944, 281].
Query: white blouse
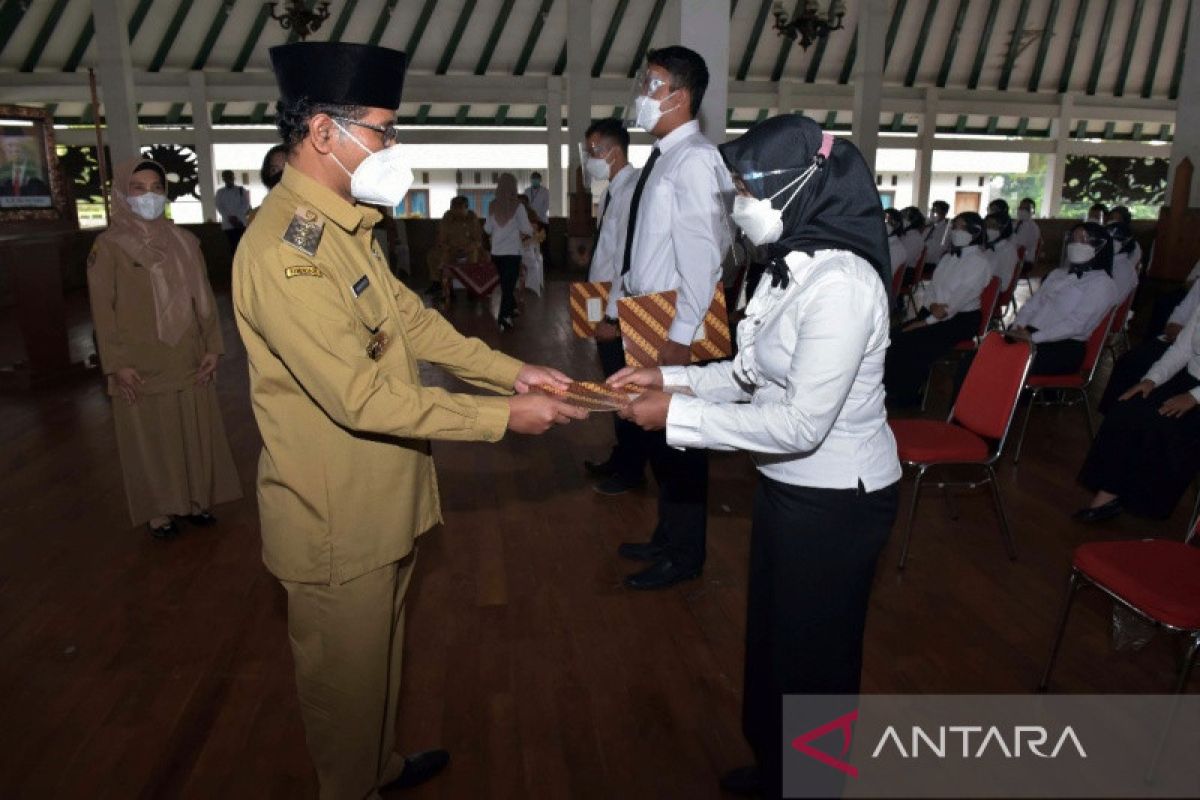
[935, 244]
[1125, 274]
[1027, 234]
[1068, 307]
[1004, 261]
[898, 253]
[914, 245]
[805, 393]
[506, 238]
[1187, 306]
[958, 282]
[1184, 353]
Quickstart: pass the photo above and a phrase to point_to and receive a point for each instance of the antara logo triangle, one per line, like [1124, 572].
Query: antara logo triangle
[802, 743]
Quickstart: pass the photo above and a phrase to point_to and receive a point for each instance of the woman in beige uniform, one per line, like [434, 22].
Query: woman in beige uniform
[160, 340]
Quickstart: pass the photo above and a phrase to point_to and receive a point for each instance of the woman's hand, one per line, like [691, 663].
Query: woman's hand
[649, 410]
[532, 375]
[939, 310]
[1144, 389]
[208, 368]
[128, 382]
[1178, 405]
[645, 377]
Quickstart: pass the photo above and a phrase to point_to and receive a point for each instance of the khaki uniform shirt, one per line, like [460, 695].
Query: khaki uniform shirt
[346, 480]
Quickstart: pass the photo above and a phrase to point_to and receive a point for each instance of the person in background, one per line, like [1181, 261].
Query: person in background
[160, 341]
[914, 235]
[998, 205]
[1147, 451]
[233, 204]
[539, 200]
[272, 166]
[1097, 213]
[804, 396]
[532, 272]
[1027, 234]
[893, 224]
[606, 148]
[936, 238]
[20, 174]
[506, 223]
[1000, 250]
[1061, 315]
[459, 241]
[951, 313]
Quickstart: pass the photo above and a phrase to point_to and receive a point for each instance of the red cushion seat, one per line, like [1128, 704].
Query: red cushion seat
[927, 441]
[1159, 576]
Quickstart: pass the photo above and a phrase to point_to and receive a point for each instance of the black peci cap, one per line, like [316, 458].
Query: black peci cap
[341, 73]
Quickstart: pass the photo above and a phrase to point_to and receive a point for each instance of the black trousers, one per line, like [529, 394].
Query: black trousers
[812, 561]
[233, 236]
[1144, 458]
[682, 478]
[629, 455]
[509, 268]
[1129, 370]
[912, 353]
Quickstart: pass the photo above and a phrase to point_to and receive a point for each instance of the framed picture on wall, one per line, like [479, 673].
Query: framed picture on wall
[31, 185]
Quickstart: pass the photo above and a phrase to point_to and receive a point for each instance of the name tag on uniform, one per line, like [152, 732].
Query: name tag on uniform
[306, 271]
[361, 285]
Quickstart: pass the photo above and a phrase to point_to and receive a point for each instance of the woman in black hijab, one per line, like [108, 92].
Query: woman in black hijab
[805, 396]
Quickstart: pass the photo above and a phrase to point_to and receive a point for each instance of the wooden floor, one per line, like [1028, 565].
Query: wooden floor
[134, 668]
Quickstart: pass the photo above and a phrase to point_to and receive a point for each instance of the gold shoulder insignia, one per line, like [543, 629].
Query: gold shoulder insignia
[310, 272]
[304, 231]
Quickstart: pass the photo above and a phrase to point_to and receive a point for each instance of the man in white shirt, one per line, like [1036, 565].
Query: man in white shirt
[936, 240]
[539, 201]
[676, 239]
[607, 148]
[233, 204]
[1026, 234]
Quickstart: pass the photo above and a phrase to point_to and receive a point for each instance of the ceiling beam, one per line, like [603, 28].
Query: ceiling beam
[1160, 35]
[1183, 37]
[609, 35]
[1064, 80]
[893, 29]
[11, 14]
[164, 46]
[760, 21]
[643, 47]
[851, 54]
[1130, 42]
[81, 45]
[489, 48]
[243, 56]
[138, 17]
[914, 61]
[814, 63]
[535, 30]
[786, 46]
[1101, 47]
[343, 19]
[952, 43]
[985, 41]
[1014, 44]
[460, 25]
[43, 36]
[381, 22]
[1039, 64]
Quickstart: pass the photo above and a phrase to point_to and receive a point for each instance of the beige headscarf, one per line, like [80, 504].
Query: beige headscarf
[505, 203]
[168, 253]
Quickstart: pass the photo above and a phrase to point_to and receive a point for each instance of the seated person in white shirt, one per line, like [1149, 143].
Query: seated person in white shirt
[1147, 452]
[937, 239]
[999, 248]
[1061, 315]
[1127, 258]
[913, 238]
[804, 396]
[951, 313]
[897, 252]
[1027, 234]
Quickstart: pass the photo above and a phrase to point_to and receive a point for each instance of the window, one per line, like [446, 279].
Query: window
[888, 199]
[478, 200]
[415, 204]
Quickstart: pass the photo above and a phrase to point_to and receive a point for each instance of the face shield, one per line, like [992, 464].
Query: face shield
[642, 110]
[595, 160]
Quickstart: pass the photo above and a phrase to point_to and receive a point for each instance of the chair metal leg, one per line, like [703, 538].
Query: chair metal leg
[1189, 659]
[912, 514]
[1005, 531]
[1087, 409]
[1033, 396]
[1072, 587]
[928, 383]
[1185, 672]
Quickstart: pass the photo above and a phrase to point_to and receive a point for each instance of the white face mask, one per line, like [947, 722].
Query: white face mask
[597, 169]
[148, 206]
[1080, 252]
[961, 238]
[993, 234]
[650, 111]
[759, 220]
[382, 178]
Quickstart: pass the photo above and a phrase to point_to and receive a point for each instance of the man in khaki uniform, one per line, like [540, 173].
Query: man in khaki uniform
[346, 481]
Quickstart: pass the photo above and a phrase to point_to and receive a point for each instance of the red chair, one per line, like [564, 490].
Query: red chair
[987, 304]
[1157, 579]
[982, 414]
[1073, 381]
[898, 283]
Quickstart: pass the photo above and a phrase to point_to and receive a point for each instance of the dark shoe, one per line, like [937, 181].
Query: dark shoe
[201, 520]
[1100, 513]
[600, 469]
[168, 531]
[420, 767]
[661, 575]
[616, 484]
[640, 551]
[743, 781]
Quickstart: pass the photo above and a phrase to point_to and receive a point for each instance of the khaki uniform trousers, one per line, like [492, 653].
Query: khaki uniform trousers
[348, 642]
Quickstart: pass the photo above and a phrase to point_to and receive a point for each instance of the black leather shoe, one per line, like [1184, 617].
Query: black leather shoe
[661, 575]
[1100, 513]
[168, 531]
[600, 469]
[201, 520]
[614, 485]
[640, 551]
[743, 781]
[420, 767]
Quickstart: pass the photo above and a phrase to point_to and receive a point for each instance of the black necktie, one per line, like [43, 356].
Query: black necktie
[600, 224]
[633, 207]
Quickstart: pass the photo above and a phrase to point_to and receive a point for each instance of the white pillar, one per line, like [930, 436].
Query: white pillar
[1056, 162]
[116, 79]
[868, 77]
[554, 140]
[205, 162]
[579, 73]
[923, 172]
[1187, 111]
[703, 26]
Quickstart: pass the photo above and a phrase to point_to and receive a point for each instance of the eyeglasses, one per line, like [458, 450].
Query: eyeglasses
[390, 133]
[597, 150]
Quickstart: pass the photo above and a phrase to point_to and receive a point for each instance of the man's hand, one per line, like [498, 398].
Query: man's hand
[128, 382]
[208, 368]
[1172, 331]
[645, 377]
[674, 354]
[607, 332]
[1144, 389]
[537, 413]
[532, 375]
[1178, 405]
[939, 310]
[648, 411]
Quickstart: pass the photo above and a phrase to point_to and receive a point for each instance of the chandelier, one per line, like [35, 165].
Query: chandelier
[809, 24]
[298, 17]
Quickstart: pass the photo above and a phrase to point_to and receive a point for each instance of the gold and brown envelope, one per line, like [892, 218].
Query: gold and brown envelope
[646, 320]
[588, 301]
[592, 396]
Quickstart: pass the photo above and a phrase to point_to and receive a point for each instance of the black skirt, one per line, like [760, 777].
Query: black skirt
[912, 353]
[1144, 458]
